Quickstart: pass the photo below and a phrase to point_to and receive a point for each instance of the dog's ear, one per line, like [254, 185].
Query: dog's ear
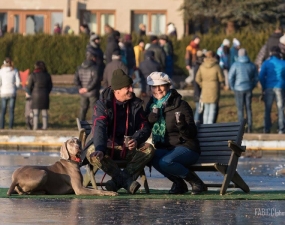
[64, 152]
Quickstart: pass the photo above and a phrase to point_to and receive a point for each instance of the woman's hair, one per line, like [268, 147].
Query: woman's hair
[40, 65]
[8, 62]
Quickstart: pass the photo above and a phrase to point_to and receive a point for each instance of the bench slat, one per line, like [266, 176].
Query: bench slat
[215, 139]
[215, 148]
[210, 160]
[213, 143]
[217, 134]
[218, 129]
[215, 153]
[220, 125]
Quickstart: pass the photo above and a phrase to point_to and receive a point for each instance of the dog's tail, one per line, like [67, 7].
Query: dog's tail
[12, 187]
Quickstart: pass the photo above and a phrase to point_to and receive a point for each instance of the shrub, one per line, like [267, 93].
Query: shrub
[63, 53]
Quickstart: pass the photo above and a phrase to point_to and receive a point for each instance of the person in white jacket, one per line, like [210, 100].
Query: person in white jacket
[9, 82]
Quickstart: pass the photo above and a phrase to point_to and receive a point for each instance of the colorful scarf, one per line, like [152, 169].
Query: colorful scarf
[158, 129]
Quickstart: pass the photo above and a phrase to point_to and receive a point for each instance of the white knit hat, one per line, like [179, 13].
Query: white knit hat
[158, 78]
[282, 40]
[236, 42]
[226, 42]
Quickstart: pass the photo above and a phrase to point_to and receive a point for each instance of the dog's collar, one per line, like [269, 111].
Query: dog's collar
[77, 162]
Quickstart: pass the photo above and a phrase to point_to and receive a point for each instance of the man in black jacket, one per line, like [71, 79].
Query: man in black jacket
[117, 114]
[88, 81]
[146, 67]
[159, 53]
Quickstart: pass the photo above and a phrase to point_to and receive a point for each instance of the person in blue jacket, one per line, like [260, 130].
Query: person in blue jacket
[243, 77]
[272, 80]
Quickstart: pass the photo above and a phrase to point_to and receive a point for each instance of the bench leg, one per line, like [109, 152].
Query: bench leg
[144, 181]
[240, 182]
[229, 173]
[90, 177]
[237, 180]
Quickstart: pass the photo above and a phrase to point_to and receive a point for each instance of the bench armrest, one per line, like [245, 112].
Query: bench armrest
[238, 150]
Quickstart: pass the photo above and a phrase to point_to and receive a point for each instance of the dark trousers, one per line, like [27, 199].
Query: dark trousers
[85, 103]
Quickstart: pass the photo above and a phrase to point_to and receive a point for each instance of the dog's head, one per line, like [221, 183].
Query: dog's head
[71, 150]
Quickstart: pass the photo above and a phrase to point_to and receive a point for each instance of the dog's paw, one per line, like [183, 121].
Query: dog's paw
[110, 193]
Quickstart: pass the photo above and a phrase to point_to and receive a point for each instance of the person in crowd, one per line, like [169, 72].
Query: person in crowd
[94, 45]
[39, 87]
[139, 52]
[209, 77]
[174, 135]
[273, 40]
[130, 54]
[272, 80]
[142, 30]
[159, 53]
[146, 67]
[243, 78]
[118, 113]
[88, 79]
[116, 63]
[224, 54]
[112, 45]
[190, 60]
[84, 29]
[57, 29]
[171, 30]
[281, 45]
[234, 51]
[198, 115]
[9, 82]
[264, 52]
[167, 47]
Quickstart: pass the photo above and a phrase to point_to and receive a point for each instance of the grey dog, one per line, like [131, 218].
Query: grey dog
[63, 177]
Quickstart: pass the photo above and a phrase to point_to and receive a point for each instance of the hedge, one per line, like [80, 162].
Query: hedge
[64, 53]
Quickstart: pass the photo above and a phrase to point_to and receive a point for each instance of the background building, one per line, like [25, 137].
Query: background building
[36, 16]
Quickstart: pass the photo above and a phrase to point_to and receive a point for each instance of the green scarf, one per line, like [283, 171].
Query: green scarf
[158, 129]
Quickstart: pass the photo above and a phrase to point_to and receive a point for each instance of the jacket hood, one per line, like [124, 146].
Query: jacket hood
[209, 62]
[88, 63]
[243, 59]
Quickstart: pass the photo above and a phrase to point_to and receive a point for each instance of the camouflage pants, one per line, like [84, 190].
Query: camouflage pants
[136, 160]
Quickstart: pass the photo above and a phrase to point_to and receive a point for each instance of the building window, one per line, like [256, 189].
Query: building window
[96, 20]
[16, 28]
[34, 24]
[155, 21]
[3, 23]
[56, 18]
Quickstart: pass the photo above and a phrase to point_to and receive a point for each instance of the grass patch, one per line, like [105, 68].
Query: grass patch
[162, 194]
[64, 108]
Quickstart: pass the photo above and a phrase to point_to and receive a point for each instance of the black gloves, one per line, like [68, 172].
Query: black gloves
[152, 117]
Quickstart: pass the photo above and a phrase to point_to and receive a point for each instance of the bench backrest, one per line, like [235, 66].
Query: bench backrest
[214, 138]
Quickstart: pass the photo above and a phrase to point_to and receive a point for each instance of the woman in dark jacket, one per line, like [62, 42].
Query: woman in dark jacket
[174, 136]
[39, 87]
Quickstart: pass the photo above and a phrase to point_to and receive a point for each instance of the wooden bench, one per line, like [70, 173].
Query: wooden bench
[85, 129]
[221, 148]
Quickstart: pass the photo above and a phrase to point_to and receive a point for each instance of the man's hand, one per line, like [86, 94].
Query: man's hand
[82, 90]
[132, 144]
[97, 154]
[188, 67]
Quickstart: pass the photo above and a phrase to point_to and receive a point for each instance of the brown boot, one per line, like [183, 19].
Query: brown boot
[128, 183]
[197, 184]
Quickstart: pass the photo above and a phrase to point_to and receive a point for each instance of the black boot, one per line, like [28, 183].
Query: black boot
[128, 183]
[115, 183]
[178, 186]
[197, 184]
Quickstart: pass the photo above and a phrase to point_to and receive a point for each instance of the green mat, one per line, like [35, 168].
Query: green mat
[162, 194]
